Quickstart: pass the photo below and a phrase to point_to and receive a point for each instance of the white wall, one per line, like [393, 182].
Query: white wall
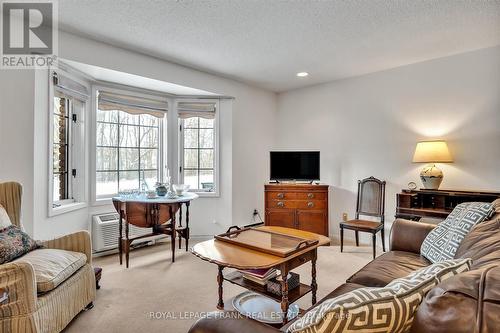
[369, 125]
[17, 91]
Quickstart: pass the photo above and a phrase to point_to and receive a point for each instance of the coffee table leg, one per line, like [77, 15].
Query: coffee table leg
[220, 280]
[314, 285]
[284, 294]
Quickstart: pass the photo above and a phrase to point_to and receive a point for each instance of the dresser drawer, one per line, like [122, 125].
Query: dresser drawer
[277, 195]
[310, 204]
[311, 195]
[281, 204]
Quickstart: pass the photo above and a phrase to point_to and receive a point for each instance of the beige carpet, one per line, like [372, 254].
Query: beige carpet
[177, 292]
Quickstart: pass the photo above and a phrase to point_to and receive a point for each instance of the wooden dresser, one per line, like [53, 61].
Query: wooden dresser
[299, 206]
[414, 205]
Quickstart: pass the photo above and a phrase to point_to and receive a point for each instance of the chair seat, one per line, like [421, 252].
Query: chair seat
[52, 267]
[362, 225]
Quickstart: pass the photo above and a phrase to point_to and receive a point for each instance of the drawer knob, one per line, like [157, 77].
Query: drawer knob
[280, 195]
[310, 204]
[310, 195]
[280, 204]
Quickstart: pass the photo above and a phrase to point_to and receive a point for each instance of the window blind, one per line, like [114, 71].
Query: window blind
[196, 109]
[108, 101]
[69, 86]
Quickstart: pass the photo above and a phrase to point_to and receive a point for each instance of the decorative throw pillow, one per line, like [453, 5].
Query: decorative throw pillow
[4, 218]
[14, 243]
[387, 309]
[442, 242]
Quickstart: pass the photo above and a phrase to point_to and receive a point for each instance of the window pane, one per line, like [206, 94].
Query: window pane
[191, 178]
[60, 106]
[206, 123]
[106, 158]
[148, 120]
[129, 180]
[107, 134]
[106, 183]
[207, 180]
[149, 137]
[129, 159]
[191, 158]
[206, 158]
[151, 178]
[126, 118]
[206, 138]
[149, 159]
[107, 116]
[60, 163]
[60, 190]
[129, 136]
[60, 128]
[190, 138]
[191, 122]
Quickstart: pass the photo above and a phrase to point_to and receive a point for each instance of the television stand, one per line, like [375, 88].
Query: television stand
[302, 206]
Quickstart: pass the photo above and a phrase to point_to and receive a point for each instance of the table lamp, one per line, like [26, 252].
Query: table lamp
[432, 152]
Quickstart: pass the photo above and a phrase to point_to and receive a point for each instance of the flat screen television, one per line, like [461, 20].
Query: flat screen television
[294, 165]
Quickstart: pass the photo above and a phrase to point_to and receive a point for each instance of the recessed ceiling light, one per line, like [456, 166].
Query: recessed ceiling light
[302, 74]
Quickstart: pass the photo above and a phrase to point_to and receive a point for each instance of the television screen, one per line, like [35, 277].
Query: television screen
[295, 165]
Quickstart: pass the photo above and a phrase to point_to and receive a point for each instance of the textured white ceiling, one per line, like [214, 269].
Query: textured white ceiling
[266, 42]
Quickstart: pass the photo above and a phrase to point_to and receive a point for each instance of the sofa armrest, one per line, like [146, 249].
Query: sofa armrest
[18, 280]
[408, 235]
[76, 242]
[229, 322]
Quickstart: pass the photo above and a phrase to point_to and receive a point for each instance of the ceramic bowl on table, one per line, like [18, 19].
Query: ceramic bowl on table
[180, 189]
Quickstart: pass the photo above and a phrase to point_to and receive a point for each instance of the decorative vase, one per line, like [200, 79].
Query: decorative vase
[431, 177]
[161, 190]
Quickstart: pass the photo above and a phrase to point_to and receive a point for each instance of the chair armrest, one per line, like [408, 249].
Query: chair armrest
[408, 235]
[18, 280]
[229, 322]
[76, 242]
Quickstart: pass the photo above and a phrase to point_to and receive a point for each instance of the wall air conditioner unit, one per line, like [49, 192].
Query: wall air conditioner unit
[105, 233]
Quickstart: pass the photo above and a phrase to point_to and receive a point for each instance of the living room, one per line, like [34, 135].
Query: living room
[361, 89]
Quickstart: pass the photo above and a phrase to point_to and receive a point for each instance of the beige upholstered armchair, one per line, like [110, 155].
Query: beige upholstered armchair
[47, 287]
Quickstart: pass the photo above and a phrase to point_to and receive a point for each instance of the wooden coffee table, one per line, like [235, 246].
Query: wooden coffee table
[225, 254]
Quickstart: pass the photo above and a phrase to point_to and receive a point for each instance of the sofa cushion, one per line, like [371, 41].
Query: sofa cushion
[482, 244]
[469, 302]
[387, 267]
[387, 309]
[4, 218]
[52, 266]
[442, 242]
[14, 243]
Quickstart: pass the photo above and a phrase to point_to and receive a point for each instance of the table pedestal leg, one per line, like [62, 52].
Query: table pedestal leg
[220, 280]
[314, 285]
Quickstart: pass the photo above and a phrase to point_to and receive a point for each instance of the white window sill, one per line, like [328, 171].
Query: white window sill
[207, 194]
[66, 208]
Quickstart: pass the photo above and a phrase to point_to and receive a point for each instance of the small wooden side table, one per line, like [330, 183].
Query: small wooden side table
[98, 273]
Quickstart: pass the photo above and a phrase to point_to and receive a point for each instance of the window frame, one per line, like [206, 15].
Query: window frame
[98, 200]
[180, 152]
[77, 143]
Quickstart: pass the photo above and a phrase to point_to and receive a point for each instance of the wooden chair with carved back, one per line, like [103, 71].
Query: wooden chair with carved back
[370, 202]
[159, 217]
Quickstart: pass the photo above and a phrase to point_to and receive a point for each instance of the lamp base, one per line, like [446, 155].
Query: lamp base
[431, 177]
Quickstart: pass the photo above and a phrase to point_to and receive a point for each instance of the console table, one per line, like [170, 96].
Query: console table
[298, 206]
[413, 205]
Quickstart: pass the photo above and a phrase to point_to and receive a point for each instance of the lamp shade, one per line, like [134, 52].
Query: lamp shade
[432, 152]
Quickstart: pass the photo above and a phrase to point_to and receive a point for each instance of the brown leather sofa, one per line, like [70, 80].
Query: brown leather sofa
[469, 302]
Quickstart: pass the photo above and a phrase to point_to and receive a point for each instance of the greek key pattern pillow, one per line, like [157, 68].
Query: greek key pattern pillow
[442, 242]
[388, 309]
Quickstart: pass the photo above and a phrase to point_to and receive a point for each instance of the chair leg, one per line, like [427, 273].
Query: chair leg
[374, 241]
[382, 234]
[173, 245]
[357, 238]
[180, 241]
[127, 252]
[341, 239]
[187, 238]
